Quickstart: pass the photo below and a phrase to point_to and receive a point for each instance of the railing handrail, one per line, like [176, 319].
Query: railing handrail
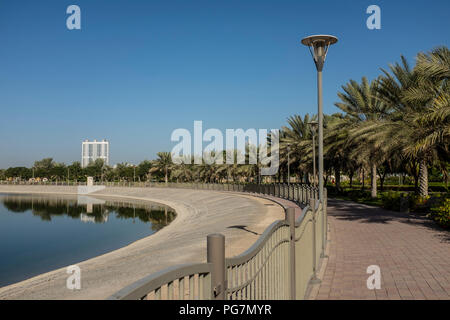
[299, 220]
[254, 249]
[142, 287]
[75, 183]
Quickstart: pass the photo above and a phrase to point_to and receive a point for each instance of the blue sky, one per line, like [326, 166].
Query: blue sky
[137, 70]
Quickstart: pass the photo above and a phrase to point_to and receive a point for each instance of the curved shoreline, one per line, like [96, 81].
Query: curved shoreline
[59, 262]
[199, 212]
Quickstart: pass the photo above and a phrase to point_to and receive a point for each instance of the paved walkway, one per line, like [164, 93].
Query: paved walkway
[412, 253]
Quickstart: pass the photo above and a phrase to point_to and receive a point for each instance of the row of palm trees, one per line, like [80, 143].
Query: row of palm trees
[397, 123]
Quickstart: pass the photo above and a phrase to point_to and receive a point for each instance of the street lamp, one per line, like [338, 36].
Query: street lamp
[314, 125]
[288, 163]
[318, 46]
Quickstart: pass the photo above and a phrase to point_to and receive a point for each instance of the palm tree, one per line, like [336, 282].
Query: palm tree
[420, 125]
[362, 106]
[163, 164]
[338, 145]
[298, 140]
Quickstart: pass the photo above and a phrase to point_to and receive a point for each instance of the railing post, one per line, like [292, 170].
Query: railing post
[216, 256]
[305, 194]
[324, 222]
[312, 204]
[290, 218]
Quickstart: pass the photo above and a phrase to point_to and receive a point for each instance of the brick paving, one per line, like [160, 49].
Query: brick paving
[411, 251]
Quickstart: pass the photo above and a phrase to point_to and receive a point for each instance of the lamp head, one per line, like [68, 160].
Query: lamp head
[314, 125]
[318, 46]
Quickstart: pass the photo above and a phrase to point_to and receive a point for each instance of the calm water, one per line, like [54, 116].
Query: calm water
[42, 233]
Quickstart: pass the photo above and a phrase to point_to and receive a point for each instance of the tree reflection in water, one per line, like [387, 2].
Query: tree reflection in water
[96, 210]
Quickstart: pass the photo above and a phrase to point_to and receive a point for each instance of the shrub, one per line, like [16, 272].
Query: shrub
[391, 200]
[441, 213]
[419, 204]
[353, 194]
[359, 194]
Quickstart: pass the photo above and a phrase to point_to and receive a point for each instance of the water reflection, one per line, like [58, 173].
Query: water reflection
[39, 233]
[89, 209]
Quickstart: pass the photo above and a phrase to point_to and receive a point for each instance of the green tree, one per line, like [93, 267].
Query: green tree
[420, 124]
[75, 171]
[21, 173]
[143, 170]
[363, 107]
[43, 167]
[94, 169]
[163, 164]
[296, 139]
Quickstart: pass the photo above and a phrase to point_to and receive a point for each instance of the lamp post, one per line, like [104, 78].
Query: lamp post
[314, 126]
[288, 165]
[318, 46]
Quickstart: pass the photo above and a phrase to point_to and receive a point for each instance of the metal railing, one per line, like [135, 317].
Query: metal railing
[279, 265]
[296, 192]
[191, 281]
[43, 183]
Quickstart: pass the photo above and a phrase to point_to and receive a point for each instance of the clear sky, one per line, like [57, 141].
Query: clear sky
[137, 70]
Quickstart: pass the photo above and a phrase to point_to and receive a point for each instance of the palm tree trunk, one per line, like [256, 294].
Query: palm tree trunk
[325, 181]
[362, 187]
[165, 176]
[337, 173]
[423, 178]
[374, 181]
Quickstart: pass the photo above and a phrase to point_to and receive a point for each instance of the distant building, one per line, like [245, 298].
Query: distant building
[93, 150]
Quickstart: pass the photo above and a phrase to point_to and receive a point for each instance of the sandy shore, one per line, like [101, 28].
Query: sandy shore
[240, 218]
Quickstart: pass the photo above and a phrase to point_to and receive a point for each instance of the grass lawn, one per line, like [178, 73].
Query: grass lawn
[369, 201]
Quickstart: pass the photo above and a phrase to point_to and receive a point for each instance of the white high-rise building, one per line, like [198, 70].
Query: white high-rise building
[93, 150]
